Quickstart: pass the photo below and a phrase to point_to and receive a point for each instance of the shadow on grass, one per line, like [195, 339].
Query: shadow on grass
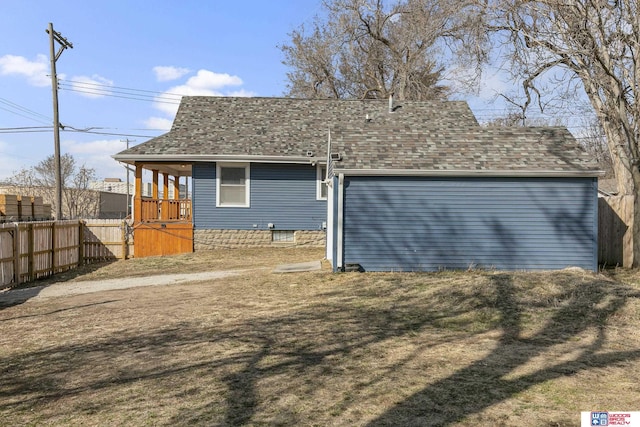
[482, 384]
[301, 348]
[60, 310]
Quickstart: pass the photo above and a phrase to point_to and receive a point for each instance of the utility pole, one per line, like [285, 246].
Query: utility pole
[64, 43]
[127, 140]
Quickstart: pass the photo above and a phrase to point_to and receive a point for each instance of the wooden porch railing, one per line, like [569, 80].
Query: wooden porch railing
[166, 210]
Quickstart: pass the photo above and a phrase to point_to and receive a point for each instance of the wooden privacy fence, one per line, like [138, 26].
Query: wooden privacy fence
[106, 240]
[33, 250]
[615, 227]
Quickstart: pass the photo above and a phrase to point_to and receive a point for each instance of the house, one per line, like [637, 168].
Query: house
[257, 167]
[406, 186]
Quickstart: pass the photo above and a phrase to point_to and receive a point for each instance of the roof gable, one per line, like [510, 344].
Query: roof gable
[283, 126]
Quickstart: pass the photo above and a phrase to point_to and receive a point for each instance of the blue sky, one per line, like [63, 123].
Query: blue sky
[136, 49]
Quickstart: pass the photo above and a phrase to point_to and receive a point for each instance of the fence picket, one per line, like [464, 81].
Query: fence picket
[33, 250]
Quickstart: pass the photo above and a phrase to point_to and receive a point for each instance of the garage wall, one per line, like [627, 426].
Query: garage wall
[426, 224]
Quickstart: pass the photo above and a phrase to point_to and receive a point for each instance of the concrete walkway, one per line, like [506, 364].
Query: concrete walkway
[17, 296]
[300, 267]
[35, 293]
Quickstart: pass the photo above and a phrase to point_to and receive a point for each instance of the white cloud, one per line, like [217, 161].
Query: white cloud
[167, 73]
[208, 80]
[91, 87]
[242, 93]
[97, 155]
[35, 71]
[158, 123]
[204, 83]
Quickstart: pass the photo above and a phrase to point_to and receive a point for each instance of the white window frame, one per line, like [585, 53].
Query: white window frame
[320, 182]
[247, 184]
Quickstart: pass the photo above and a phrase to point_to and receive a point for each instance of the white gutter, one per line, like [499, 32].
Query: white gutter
[472, 173]
[178, 158]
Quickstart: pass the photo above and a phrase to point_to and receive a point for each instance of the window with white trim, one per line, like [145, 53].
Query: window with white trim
[232, 185]
[321, 186]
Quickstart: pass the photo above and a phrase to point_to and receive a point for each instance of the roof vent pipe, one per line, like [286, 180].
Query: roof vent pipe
[391, 102]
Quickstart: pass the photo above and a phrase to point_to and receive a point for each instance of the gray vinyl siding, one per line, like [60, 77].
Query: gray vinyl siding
[427, 224]
[281, 194]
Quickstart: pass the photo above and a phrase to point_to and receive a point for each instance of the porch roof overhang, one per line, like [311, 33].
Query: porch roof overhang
[181, 164]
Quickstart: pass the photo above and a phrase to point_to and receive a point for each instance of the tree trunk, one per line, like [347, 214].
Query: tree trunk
[635, 226]
[628, 183]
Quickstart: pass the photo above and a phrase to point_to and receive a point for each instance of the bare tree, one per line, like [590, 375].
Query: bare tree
[594, 142]
[78, 200]
[371, 49]
[515, 118]
[588, 47]
[591, 138]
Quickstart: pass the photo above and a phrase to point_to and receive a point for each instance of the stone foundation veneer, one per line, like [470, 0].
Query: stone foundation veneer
[212, 239]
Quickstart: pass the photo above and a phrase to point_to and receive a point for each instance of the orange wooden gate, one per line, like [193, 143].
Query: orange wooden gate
[152, 239]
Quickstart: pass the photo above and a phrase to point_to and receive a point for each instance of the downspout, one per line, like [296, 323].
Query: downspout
[328, 179]
[596, 226]
[339, 266]
[330, 219]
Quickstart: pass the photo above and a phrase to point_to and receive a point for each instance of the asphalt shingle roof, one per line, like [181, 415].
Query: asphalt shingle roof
[551, 149]
[427, 136]
[283, 126]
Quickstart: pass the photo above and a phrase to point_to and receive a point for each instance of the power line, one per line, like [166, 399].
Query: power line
[22, 108]
[22, 115]
[101, 89]
[67, 128]
[21, 111]
[91, 88]
[28, 127]
[120, 87]
[27, 131]
[107, 133]
[110, 94]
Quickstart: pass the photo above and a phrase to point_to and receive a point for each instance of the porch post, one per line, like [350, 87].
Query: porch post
[164, 205]
[154, 195]
[165, 186]
[137, 200]
[176, 187]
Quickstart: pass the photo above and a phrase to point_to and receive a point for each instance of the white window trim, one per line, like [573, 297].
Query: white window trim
[319, 182]
[247, 172]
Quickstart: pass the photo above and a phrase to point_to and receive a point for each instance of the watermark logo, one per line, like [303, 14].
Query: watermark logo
[599, 418]
[610, 418]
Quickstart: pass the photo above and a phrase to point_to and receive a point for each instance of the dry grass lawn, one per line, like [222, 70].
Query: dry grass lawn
[319, 349]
